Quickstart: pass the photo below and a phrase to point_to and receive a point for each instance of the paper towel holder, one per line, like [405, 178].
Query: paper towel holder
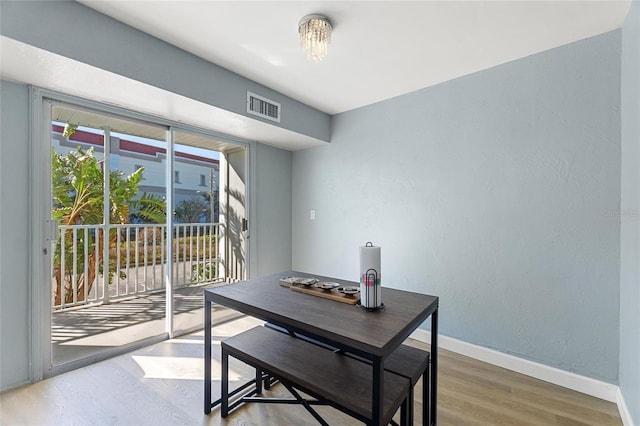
[371, 291]
[377, 308]
[371, 276]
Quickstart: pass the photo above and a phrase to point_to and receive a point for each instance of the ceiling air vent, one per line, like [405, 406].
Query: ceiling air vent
[263, 107]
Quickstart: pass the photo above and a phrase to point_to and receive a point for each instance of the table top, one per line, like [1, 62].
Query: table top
[376, 333]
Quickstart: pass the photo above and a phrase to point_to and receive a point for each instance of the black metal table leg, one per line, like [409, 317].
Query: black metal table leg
[224, 385]
[378, 388]
[434, 368]
[207, 356]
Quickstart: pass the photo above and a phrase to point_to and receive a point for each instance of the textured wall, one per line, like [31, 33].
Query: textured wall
[14, 235]
[494, 191]
[630, 215]
[273, 195]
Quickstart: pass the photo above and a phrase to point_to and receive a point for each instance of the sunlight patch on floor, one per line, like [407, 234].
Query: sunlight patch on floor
[179, 368]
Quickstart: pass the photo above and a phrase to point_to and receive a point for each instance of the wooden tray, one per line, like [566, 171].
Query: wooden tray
[327, 294]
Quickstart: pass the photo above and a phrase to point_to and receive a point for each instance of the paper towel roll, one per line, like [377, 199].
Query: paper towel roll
[370, 277]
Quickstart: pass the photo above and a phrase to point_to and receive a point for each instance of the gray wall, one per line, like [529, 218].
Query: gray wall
[273, 225]
[14, 235]
[630, 215]
[497, 192]
[78, 32]
[271, 212]
[113, 46]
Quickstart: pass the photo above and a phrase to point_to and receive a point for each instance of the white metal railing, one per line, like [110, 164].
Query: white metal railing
[135, 261]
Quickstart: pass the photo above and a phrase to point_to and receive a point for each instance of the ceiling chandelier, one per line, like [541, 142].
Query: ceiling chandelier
[315, 36]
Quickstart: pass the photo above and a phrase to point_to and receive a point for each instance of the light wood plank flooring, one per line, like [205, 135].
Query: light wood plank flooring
[162, 385]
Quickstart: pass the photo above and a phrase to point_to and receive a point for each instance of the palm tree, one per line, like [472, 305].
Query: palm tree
[78, 198]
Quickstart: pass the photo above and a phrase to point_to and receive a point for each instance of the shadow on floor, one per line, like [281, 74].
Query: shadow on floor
[81, 332]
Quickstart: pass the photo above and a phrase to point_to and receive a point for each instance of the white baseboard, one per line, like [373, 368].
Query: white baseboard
[587, 385]
[625, 415]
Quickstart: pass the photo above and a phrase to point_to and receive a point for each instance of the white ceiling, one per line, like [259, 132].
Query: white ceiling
[380, 49]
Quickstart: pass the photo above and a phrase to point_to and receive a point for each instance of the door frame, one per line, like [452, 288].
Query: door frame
[40, 101]
[225, 195]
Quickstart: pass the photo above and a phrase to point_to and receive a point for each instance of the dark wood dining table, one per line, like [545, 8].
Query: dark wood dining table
[373, 335]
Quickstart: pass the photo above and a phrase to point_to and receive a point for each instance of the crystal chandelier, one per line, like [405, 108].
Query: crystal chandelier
[315, 36]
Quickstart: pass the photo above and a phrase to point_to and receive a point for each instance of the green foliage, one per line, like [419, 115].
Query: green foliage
[69, 129]
[191, 210]
[76, 188]
[78, 199]
[149, 208]
[205, 271]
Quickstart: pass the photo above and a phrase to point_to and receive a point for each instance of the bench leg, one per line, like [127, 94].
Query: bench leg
[410, 407]
[426, 398]
[224, 408]
[267, 382]
[258, 381]
[404, 415]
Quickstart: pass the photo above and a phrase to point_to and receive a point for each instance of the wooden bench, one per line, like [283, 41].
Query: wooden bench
[332, 378]
[405, 361]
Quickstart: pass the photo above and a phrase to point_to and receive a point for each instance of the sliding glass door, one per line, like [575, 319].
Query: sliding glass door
[142, 216]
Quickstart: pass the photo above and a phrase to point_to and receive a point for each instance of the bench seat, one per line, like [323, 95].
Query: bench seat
[405, 361]
[342, 381]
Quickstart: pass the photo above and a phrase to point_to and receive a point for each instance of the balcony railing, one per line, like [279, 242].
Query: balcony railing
[135, 256]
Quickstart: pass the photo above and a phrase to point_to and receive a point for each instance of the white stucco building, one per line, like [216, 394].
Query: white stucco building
[195, 176]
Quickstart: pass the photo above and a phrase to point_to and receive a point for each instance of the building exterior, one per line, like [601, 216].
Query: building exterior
[195, 177]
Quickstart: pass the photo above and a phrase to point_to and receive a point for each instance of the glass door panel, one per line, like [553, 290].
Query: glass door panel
[109, 259]
[196, 227]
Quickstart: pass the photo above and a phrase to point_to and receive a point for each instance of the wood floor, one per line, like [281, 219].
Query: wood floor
[162, 385]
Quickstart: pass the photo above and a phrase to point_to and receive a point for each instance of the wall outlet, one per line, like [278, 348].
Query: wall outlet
[312, 215]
